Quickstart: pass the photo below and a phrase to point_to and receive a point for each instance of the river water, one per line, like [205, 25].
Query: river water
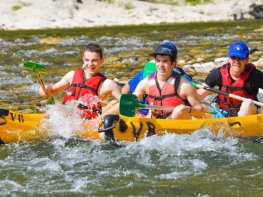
[200, 164]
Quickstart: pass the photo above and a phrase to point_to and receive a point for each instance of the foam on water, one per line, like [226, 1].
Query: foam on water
[184, 155]
[95, 166]
[7, 185]
[63, 120]
[44, 164]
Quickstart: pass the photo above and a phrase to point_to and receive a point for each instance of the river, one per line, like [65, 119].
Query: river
[200, 164]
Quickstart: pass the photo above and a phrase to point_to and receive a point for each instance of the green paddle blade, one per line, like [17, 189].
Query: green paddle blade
[35, 67]
[128, 104]
[38, 68]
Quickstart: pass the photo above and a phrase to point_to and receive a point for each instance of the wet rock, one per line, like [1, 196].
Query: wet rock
[181, 62]
[190, 62]
[201, 56]
[204, 67]
[259, 30]
[117, 65]
[188, 68]
[112, 59]
[259, 62]
[50, 40]
[200, 59]
[221, 60]
[130, 60]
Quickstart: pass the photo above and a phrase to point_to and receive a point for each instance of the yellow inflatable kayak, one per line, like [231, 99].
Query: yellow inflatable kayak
[135, 128]
[128, 127]
[15, 126]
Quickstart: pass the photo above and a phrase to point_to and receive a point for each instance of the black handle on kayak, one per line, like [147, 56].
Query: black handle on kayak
[3, 114]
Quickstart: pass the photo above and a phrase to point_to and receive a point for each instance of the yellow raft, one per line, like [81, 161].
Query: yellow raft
[15, 126]
[135, 128]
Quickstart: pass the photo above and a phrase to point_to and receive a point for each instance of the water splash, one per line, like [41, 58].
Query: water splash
[63, 120]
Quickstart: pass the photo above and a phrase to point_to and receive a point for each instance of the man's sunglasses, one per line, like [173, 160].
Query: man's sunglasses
[237, 58]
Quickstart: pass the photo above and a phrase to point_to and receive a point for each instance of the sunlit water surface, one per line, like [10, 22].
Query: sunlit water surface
[200, 164]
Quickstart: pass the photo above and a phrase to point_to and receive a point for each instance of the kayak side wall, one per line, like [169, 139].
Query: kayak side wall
[135, 128]
[17, 126]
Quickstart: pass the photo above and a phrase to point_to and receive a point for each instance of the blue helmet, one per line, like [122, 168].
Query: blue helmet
[166, 48]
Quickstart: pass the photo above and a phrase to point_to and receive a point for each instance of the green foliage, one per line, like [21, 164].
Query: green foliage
[110, 1]
[171, 2]
[196, 2]
[16, 7]
[128, 6]
[21, 4]
[176, 2]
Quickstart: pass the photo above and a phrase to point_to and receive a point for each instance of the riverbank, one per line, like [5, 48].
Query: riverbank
[38, 14]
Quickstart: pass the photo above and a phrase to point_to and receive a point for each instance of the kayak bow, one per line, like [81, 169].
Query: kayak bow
[15, 127]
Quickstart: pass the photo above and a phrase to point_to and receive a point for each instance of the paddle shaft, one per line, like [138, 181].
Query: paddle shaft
[41, 82]
[225, 93]
[50, 100]
[156, 107]
[144, 106]
[216, 91]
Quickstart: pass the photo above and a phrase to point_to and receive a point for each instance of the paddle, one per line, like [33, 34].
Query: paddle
[129, 102]
[38, 69]
[195, 84]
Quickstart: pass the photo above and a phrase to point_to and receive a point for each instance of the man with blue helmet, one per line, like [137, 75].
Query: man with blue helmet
[165, 87]
[238, 77]
[149, 68]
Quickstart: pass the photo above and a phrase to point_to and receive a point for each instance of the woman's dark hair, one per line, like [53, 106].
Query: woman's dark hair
[95, 48]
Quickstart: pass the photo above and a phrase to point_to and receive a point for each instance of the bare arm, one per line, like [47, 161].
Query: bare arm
[107, 88]
[142, 88]
[213, 79]
[110, 87]
[202, 93]
[125, 89]
[187, 91]
[59, 86]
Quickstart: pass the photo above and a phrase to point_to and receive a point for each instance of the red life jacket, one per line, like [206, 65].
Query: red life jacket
[85, 90]
[234, 87]
[167, 96]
